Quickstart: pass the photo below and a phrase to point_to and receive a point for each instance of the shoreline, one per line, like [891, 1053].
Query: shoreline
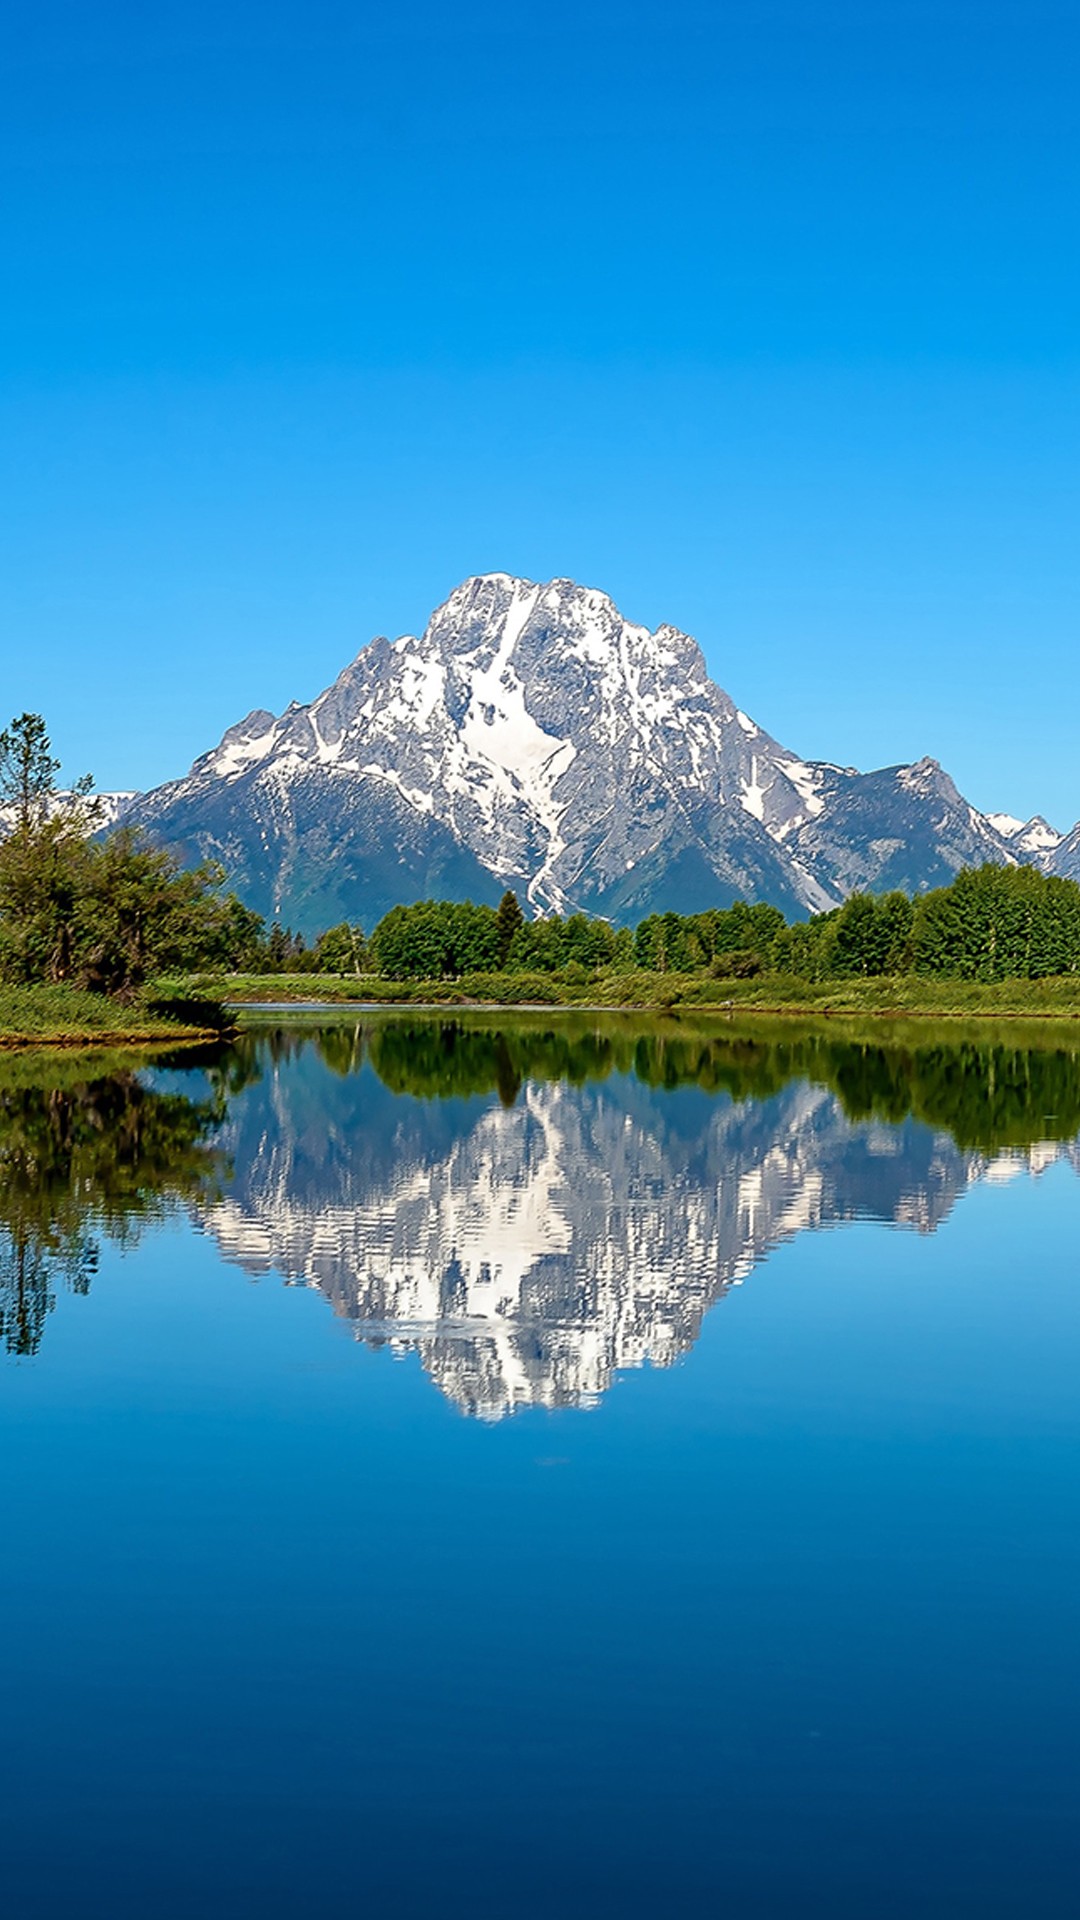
[796, 1010]
[106, 1037]
[249, 1012]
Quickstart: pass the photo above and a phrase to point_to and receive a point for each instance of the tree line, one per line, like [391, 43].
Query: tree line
[992, 923]
[109, 911]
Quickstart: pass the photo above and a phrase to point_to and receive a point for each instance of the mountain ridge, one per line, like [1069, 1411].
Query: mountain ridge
[533, 738]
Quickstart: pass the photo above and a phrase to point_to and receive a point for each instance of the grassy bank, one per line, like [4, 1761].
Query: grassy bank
[67, 1016]
[707, 1027]
[911, 995]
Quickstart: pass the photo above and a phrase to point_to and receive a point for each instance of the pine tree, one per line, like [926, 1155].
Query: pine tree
[508, 919]
[27, 771]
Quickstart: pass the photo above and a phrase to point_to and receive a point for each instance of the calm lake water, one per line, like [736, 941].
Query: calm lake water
[564, 1468]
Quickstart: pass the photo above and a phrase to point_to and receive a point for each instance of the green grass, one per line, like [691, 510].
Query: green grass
[906, 994]
[66, 1016]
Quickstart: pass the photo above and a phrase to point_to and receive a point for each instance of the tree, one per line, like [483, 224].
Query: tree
[278, 946]
[239, 941]
[537, 946]
[144, 914]
[508, 919]
[43, 858]
[341, 949]
[435, 940]
[999, 923]
[45, 878]
[27, 772]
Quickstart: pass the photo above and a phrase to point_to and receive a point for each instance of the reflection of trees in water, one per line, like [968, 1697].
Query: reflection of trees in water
[530, 1252]
[81, 1159]
[84, 1156]
[989, 1094]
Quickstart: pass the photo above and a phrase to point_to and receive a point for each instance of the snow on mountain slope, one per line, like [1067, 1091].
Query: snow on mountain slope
[533, 738]
[1034, 841]
[103, 809]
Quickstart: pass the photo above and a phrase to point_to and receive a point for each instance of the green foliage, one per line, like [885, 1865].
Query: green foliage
[700, 942]
[436, 940]
[60, 1012]
[46, 876]
[508, 919]
[141, 914]
[536, 947]
[999, 923]
[27, 772]
[341, 949]
[101, 914]
[553, 946]
[869, 935]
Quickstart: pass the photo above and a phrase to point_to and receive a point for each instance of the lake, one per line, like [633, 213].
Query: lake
[542, 1466]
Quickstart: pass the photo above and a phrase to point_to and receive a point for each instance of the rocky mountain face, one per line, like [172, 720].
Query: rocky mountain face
[533, 738]
[528, 1253]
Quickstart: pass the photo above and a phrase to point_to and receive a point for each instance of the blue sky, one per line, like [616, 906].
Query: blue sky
[763, 318]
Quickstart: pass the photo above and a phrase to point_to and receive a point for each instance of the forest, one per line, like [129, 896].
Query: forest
[993, 923]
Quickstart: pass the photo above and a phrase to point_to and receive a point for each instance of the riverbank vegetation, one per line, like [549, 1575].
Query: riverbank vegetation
[88, 921]
[998, 940]
[63, 1015]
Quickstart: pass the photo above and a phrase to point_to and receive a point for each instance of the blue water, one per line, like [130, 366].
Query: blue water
[292, 1622]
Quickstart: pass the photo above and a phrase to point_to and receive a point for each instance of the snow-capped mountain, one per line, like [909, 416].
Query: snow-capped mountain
[1034, 840]
[533, 738]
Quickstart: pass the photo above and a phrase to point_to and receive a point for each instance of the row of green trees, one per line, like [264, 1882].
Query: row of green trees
[992, 923]
[442, 939]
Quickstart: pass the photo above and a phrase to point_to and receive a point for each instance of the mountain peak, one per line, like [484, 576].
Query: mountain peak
[534, 737]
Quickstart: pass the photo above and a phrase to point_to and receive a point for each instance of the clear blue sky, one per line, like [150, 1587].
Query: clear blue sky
[763, 318]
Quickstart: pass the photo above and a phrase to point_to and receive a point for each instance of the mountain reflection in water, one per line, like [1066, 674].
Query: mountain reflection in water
[532, 1209]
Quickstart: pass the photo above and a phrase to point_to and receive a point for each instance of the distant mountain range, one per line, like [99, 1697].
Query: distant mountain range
[532, 738]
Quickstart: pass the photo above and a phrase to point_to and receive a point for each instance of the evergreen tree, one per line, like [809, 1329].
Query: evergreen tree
[27, 772]
[508, 919]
